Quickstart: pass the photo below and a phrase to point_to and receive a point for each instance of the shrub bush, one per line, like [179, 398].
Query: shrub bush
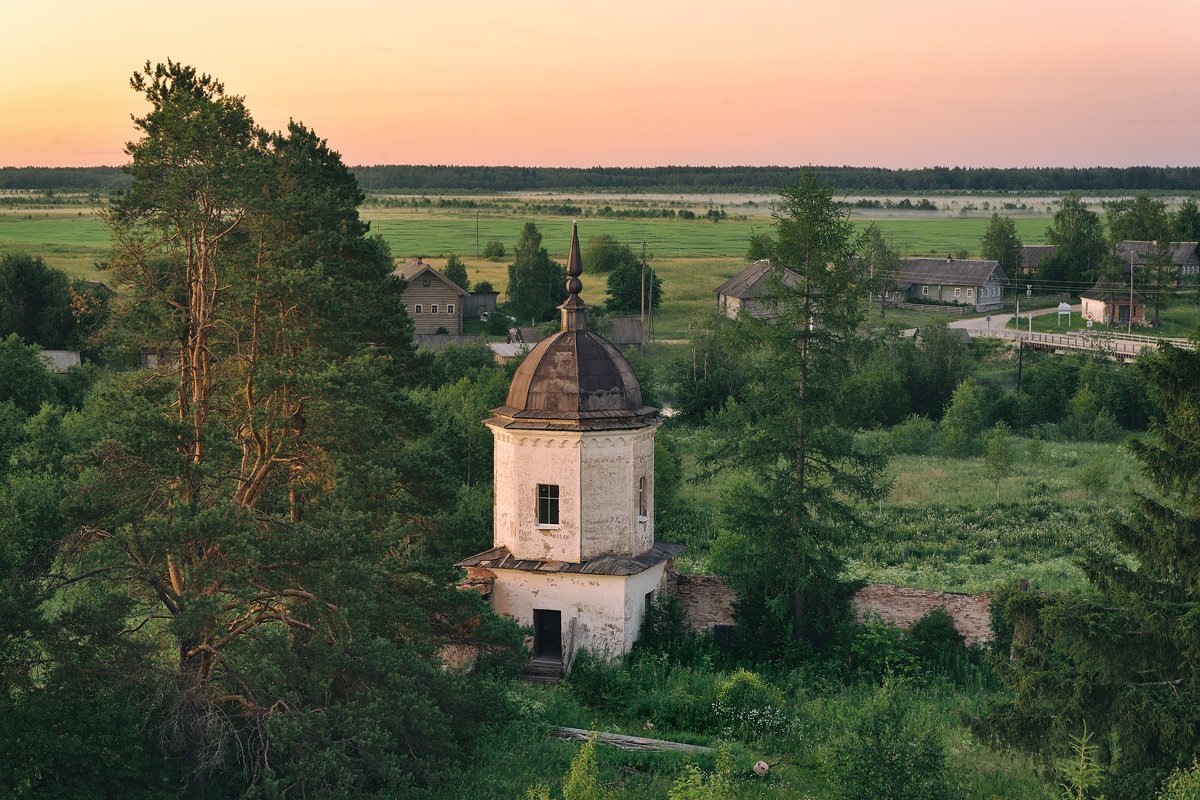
[1183, 784]
[749, 707]
[889, 753]
[914, 436]
[494, 250]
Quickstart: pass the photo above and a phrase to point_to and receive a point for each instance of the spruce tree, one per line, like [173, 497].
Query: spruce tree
[780, 543]
[1121, 657]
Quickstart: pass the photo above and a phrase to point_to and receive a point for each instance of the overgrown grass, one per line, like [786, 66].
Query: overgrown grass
[798, 721]
[942, 528]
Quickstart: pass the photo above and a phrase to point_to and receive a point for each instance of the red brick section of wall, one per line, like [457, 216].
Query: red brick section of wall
[708, 602]
[903, 606]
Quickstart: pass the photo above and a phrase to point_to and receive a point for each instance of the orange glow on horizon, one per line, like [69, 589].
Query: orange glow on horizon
[621, 83]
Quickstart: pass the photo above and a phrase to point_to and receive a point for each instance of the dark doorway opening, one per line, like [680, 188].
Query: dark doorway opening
[547, 634]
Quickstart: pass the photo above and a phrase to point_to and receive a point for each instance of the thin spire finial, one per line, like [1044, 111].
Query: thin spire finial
[574, 310]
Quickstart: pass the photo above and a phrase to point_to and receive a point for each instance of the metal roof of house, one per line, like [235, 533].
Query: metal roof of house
[942, 271]
[608, 564]
[754, 281]
[1032, 254]
[1181, 252]
[1107, 289]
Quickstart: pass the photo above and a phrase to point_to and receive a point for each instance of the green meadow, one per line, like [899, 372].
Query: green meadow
[693, 257]
[74, 237]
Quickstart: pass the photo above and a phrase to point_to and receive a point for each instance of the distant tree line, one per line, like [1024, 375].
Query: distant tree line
[409, 177]
[769, 179]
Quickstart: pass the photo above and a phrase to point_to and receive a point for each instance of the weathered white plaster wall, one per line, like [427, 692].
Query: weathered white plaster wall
[612, 464]
[597, 474]
[522, 460]
[636, 587]
[607, 609]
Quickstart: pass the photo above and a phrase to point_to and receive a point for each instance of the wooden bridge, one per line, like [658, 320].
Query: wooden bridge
[1121, 347]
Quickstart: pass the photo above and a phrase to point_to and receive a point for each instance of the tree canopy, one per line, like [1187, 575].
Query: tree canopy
[780, 544]
[1120, 658]
[1001, 243]
[1080, 246]
[536, 284]
[244, 537]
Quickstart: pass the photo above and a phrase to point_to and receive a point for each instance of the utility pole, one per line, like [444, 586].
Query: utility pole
[644, 334]
[1129, 323]
[477, 233]
[1020, 361]
[651, 309]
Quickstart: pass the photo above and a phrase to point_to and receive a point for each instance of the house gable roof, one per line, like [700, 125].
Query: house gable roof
[940, 271]
[415, 269]
[1032, 254]
[1181, 252]
[754, 281]
[1107, 289]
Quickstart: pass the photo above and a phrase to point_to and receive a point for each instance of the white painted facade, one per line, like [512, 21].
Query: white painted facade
[605, 483]
[599, 476]
[600, 613]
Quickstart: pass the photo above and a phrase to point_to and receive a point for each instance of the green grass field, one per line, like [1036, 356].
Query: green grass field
[73, 237]
[693, 257]
[70, 239]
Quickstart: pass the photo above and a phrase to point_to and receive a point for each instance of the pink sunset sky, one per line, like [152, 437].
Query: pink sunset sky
[618, 83]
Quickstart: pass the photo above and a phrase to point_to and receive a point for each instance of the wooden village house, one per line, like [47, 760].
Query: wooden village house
[574, 553]
[1184, 256]
[748, 290]
[1032, 256]
[978, 283]
[432, 300]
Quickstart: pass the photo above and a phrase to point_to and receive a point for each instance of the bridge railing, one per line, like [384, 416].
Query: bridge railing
[1128, 345]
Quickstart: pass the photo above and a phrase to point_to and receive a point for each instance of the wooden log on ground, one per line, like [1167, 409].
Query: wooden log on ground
[631, 743]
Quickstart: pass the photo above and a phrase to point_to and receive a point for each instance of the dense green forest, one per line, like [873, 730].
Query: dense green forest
[687, 179]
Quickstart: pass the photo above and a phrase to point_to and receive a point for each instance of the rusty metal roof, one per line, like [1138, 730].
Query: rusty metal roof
[608, 564]
[574, 377]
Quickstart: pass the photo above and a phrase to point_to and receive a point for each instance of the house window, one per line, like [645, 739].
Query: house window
[425, 282]
[418, 308]
[925, 290]
[968, 292]
[642, 497]
[433, 309]
[957, 292]
[547, 504]
[450, 308]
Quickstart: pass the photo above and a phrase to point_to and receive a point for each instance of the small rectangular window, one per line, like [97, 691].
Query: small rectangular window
[450, 308]
[433, 309]
[957, 292]
[968, 292]
[924, 290]
[418, 308]
[642, 497]
[547, 504]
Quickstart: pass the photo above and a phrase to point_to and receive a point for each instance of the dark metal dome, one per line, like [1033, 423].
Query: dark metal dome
[574, 379]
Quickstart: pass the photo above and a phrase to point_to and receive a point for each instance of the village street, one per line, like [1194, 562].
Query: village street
[998, 321]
